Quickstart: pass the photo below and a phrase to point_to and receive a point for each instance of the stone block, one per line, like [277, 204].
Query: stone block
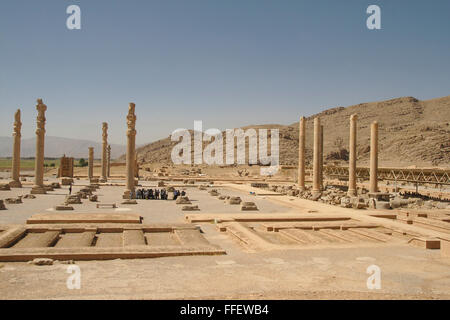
[234, 200]
[63, 207]
[5, 187]
[66, 181]
[248, 206]
[183, 200]
[190, 208]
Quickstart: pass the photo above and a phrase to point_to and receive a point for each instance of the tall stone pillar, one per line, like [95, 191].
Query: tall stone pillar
[352, 159]
[108, 170]
[374, 157]
[91, 163]
[104, 152]
[15, 170]
[316, 156]
[131, 151]
[38, 187]
[136, 166]
[321, 158]
[301, 153]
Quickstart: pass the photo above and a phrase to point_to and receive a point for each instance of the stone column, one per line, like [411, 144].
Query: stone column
[316, 156]
[91, 163]
[374, 157]
[301, 153]
[352, 159]
[108, 171]
[104, 153]
[321, 158]
[136, 166]
[38, 187]
[131, 150]
[15, 170]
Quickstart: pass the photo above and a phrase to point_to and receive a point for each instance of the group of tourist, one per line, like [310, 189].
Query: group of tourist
[157, 194]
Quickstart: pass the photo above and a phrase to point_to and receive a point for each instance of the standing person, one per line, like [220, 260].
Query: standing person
[70, 189]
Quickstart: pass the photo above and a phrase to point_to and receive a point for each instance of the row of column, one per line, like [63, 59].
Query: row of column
[318, 156]
[38, 187]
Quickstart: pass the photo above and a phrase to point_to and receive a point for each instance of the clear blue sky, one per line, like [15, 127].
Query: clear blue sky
[226, 62]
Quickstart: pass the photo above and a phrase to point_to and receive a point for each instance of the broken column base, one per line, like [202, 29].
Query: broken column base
[127, 195]
[249, 206]
[128, 201]
[316, 195]
[15, 184]
[38, 190]
[63, 207]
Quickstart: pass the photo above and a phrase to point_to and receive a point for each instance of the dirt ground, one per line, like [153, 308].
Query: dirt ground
[407, 272]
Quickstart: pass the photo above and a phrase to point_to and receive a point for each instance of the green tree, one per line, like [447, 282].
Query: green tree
[82, 163]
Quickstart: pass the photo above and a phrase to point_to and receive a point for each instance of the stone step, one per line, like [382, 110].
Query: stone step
[133, 238]
[305, 236]
[75, 240]
[38, 240]
[107, 240]
[378, 236]
[162, 239]
[432, 223]
[191, 237]
[348, 236]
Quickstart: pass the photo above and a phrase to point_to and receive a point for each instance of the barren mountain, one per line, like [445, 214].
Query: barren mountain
[411, 132]
[56, 147]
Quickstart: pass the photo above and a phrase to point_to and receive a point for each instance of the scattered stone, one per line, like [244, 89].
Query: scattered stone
[214, 193]
[17, 200]
[346, 202]
[29, 196]
[129, 201]
[260, 185]
[41, 262]
[316, 196]
[201, 187]
[55, 185]
[48, 188]
[93, 198]
[183, 200]
[235, 200]
[73, 199]
[190, 208]
[382, 204]
[63, 207]
[358, 203]
[66, 181]
[5, 187]
[248, 206]
[222, 197]
[2, 205]
[161, 184]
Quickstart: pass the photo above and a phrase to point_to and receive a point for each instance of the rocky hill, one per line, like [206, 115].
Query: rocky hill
[411, 132]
